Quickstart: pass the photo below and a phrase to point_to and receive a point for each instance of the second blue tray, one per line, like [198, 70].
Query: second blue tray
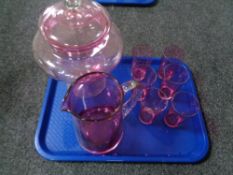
[126, 2]
[55, 138]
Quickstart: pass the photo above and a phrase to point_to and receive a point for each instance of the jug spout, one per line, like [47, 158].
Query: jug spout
[65, 105]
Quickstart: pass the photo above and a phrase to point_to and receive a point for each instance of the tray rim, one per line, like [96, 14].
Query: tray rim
[48, 155]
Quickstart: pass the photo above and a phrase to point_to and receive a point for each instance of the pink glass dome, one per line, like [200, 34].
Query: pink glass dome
[76, 37]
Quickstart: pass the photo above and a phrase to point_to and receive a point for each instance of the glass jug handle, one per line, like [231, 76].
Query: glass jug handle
[132, 101]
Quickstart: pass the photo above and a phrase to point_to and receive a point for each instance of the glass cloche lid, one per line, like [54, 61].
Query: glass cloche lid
[74, 23]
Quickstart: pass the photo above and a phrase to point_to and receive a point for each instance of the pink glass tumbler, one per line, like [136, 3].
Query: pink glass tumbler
[96, 102]
[152, 106]
[175, 76]
[141, 71]
[141, 65]
[171, 54]
[184, 105]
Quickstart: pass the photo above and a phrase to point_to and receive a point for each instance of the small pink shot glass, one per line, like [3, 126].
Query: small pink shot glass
[175, 76]
[152, 106]
[171, 54]
[184, 105]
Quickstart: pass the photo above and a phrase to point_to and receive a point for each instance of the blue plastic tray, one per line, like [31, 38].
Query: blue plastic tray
[126, 2]
[55, 137]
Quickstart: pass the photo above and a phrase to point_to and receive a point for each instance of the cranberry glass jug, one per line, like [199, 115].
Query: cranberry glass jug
[76, 37]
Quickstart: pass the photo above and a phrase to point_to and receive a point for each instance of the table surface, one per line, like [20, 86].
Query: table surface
[202, 27]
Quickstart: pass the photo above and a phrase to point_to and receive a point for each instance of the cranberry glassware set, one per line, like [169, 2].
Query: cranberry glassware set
[79, 44]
